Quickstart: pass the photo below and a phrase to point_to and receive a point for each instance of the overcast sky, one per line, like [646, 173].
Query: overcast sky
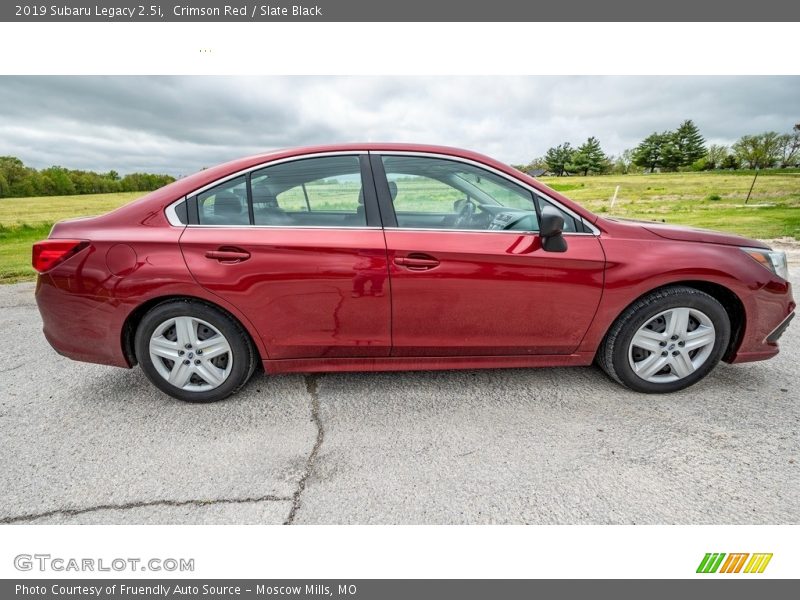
[178, 125]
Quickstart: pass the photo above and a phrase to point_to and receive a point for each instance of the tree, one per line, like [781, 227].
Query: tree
[589, 158]
[672, 156]
[536, 163]
[730, 162]
[790, 147]
[648, 153]
[715, 155]
[689, 143]
[57, 182]
[558, 157]
[13, 170]
[622, 164]
[759, 151]
[579, 163]
[19, 181]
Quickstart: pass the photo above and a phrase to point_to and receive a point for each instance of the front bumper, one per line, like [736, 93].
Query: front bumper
[769, 311]
[776, 334]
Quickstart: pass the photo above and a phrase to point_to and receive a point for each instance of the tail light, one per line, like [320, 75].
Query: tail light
[49, 253]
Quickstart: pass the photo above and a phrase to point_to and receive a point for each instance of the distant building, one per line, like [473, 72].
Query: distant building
[536, 172]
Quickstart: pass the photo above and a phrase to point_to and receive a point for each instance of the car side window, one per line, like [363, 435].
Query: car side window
[316, 192]
[225, 204]
[435, 193]
[571, 224]
[418, 193]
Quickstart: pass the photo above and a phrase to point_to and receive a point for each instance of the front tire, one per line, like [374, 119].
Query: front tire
[193, 351]
[666, 341]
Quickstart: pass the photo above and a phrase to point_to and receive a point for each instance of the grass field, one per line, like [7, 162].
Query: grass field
[24, 221]
[713, 200]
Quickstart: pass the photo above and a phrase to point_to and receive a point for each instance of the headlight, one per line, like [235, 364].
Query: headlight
[774, 260]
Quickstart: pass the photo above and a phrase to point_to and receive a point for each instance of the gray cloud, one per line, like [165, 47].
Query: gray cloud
[178, 125]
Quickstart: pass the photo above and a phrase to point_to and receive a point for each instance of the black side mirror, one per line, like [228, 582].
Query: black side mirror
[551, 228]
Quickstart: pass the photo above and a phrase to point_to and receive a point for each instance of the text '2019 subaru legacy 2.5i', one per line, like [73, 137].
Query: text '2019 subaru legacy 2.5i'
[397, 257]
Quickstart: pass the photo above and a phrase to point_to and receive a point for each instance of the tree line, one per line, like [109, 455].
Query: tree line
[681, 149]
[18, 181]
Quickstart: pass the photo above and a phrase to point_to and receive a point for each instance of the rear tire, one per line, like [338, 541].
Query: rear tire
[193, 351]
[666, 341]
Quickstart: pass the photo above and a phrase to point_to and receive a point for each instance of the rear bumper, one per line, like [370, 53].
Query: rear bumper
[80, 326]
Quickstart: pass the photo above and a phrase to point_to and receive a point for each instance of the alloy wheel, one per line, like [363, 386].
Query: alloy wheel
[672, 345]
[191, 354]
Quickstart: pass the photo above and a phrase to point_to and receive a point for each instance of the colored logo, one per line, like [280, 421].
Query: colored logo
[734, 563]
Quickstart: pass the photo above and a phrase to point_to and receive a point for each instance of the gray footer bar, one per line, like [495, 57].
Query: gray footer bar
[731, 588]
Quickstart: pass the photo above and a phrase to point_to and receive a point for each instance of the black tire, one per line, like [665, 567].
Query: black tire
[612, 356]
[243, 353]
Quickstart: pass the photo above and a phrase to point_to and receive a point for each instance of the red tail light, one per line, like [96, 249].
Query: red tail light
[48, 253]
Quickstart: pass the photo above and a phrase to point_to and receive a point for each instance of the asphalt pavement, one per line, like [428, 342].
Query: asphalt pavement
[84, 443]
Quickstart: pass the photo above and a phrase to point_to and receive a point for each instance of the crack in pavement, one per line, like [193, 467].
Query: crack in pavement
[70, 512]
[312, 387]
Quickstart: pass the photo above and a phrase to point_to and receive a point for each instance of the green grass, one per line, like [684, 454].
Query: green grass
[711, 200]
[24, 221]
[49, 209]
[15, 251]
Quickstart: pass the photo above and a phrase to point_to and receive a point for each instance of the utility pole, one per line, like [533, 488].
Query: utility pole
[752, 185]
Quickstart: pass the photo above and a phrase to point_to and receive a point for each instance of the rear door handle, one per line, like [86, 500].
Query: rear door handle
[228, 255]
[417, 262]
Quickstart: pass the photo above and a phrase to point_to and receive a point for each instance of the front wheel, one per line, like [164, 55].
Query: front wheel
[666, 341]
[194, 352]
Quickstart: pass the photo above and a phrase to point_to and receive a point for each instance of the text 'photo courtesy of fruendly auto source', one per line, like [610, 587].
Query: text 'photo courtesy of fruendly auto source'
[399, 300]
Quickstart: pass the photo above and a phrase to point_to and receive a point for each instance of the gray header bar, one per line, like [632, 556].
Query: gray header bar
[398, 10]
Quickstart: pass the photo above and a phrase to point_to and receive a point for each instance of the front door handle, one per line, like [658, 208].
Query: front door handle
[228, 255]
[417, 262]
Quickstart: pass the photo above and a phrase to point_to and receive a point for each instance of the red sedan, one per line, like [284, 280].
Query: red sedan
[397, 257]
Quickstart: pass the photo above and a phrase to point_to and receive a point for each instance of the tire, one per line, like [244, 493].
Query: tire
[649, 336]
[218, 363]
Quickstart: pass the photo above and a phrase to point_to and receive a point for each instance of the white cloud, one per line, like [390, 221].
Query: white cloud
[181, 124]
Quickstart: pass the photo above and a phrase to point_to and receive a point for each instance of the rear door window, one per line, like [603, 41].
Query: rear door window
[312, 192]
[225, 204]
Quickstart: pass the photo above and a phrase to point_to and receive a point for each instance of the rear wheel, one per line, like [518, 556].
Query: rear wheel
[666, 341]
[194, 352]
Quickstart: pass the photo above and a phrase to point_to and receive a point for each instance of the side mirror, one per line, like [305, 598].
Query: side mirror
[551, 228]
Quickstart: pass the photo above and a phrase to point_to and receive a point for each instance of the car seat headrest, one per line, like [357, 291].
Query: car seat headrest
[227, 203]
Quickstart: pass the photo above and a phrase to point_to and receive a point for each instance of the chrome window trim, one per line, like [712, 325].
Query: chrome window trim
[271, 163]
[506, 231]
[594, 230]
[172, 217]
[293, 227]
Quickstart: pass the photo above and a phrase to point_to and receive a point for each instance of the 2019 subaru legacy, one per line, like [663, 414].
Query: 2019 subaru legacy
[397, 257]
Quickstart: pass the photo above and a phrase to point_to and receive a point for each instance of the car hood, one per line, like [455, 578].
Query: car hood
[692, 234]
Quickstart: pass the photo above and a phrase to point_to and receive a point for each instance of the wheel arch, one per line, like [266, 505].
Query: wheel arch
[137, 314]
[729, 300]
